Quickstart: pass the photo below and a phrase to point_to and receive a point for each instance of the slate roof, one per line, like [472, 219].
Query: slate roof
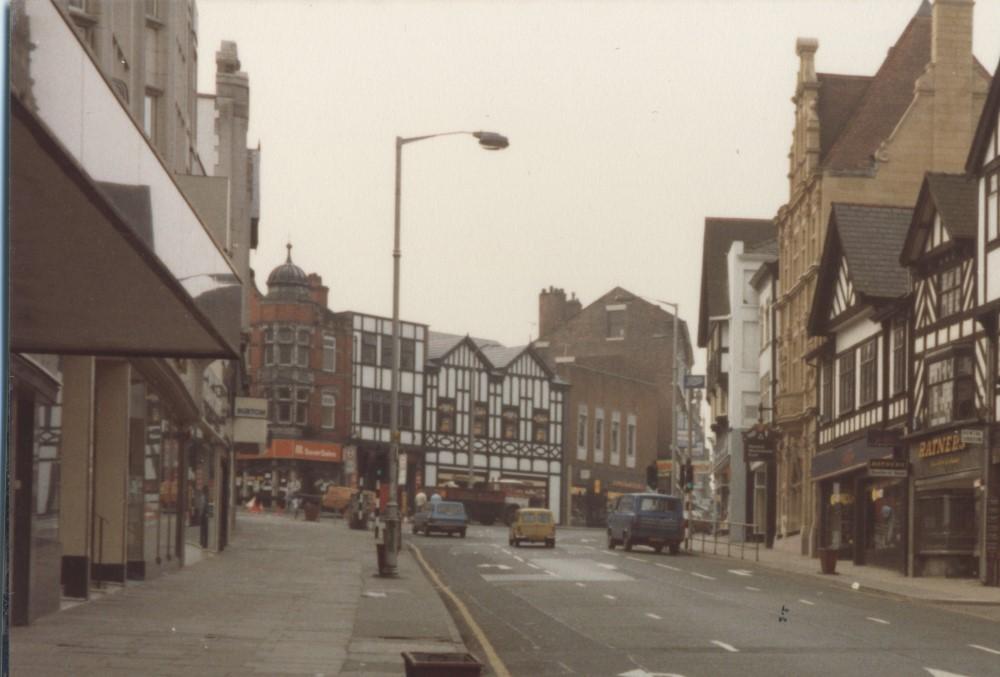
[955, 198]
[440, 344]
[500, 356]
[720, 234]
[871, 238]
[836, 101]
[885, 99]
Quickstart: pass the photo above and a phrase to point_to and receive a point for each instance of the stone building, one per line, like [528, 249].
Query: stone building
[300, 363]
[729, 329]
[869, 140]
[622, 334]
[123, 303]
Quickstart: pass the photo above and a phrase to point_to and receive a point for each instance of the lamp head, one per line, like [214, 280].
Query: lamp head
[491, 140]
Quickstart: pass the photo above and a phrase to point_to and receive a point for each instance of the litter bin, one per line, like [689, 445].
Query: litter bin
[422, 664]
[311, 511]
[828, 560]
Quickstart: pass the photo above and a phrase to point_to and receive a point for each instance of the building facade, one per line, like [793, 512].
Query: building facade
[115, 336]
[729, 329]
[502, 402]
[860, 140]
[861, 309]
[300, 363]
[624, 334]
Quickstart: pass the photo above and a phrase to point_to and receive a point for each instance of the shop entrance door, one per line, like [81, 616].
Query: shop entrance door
[885, 523]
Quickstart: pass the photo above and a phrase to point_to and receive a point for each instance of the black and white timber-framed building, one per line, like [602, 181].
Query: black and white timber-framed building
[514, 405]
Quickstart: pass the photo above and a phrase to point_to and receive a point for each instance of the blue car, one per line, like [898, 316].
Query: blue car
[443, 516]
[654, 520]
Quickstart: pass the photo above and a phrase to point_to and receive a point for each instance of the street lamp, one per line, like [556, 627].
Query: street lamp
[673, 399]
[393, 531]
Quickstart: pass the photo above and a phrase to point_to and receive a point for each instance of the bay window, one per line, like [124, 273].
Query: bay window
[951, 389]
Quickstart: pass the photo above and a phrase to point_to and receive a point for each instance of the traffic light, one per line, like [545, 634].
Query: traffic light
[687, 476]
[652, 476]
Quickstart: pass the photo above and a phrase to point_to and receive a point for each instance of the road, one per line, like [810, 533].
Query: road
[581, 609]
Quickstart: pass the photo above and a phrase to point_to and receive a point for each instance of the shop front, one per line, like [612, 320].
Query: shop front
[307, 466]
[948, 509]
[863, 503]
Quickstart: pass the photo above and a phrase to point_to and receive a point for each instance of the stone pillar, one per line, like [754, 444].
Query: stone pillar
[111, 446]
[76, 474]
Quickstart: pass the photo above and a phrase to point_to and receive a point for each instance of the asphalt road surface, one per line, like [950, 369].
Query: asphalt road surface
[581, 609]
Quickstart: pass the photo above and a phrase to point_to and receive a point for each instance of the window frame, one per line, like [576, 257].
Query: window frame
[951, 386]
[868, 372]
[510, 423]
[445, 412]
[598, 435]
[991, 182]
[846, 395]
[328, 406]
[329, 352]
[615, 323]
[898, 358]
[369, 352]
[582, 428]
[952, 294]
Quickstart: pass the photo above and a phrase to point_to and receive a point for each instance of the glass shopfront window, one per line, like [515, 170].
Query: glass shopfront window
[946, 522]
[838, 505]
[885, 532]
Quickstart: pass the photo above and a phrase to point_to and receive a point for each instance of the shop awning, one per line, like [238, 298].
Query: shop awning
[107, 255]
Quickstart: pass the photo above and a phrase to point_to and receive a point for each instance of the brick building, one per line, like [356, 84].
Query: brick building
[300, 362]
[868, 140]
[624, 335]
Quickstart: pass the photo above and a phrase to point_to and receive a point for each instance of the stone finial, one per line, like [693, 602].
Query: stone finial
[806, 48]
[289, 258]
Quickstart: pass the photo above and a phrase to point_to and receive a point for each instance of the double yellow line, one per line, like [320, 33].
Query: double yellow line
[499, 669]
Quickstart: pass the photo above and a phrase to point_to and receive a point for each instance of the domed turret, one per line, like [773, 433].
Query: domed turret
[288, 280]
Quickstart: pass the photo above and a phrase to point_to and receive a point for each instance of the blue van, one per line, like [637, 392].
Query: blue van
[654, 520]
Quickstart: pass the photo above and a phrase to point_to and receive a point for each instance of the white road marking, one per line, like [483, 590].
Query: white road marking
[942, 673]
[877, 620]
[505, 551]
[728, 647]
[634, 559]
[606, 566]
[655, 617]
[985, 648]
[581, 585]
[610, 554]
[740, 572]
[495, 566]
[667, 566]
[533, 566]
[519, 559]
[590, 546]
[750, 587]
[805, 601]
[552, 573]
[611, 597]
[642, 673]
[586, 540]
[707, 578]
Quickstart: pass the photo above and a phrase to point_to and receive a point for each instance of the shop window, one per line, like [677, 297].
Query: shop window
[329, 352]
[950, 389]
[510, 422]
[869, 372]
[446, 415]
[946, 522]
[540, 426]
[375, 407]
[949, 292]
[581, 433]
[898, 358]
[301, 406]
[846, 382]
[369, 348]
[329, 402]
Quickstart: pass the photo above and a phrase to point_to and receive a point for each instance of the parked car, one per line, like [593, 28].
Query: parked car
[443, 516]
[654, 520]
[535, 525]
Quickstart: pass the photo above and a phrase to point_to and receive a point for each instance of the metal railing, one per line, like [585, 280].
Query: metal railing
[711, 530]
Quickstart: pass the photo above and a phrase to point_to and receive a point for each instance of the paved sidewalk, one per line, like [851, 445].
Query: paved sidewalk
[287, 597]
[786, 556]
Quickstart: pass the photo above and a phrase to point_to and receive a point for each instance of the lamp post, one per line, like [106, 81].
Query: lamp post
[673, 399]
[393, 532]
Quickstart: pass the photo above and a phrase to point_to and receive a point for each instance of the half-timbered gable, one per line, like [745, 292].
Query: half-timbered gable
[857, 307]
[949, 348]
[503, 402]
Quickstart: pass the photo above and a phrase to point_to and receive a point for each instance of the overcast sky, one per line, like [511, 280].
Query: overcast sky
[629, 123]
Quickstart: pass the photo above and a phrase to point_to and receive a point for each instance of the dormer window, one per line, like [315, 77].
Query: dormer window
[949, 292]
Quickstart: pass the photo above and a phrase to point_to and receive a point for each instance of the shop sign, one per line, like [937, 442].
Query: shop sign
[760, 442]
[940, 445]
[972, 436]
[401, 474]
[881, 437]
[694, 381]
[663, 468]
[885, 467]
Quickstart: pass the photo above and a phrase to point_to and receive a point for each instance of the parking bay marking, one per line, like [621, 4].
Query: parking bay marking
[655, 617]
[805, 601]
[740, 572]
[611, 597]
[707, 578]
[667, 566]
[877, 620]
[985, 648]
